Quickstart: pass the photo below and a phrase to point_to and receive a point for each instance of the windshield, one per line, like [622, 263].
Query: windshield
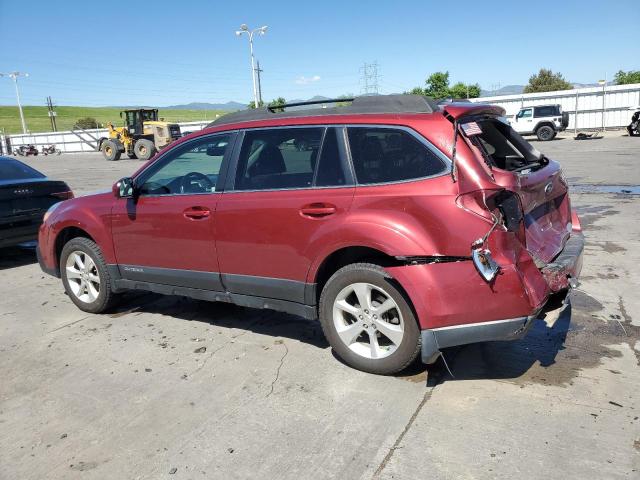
[502, 147]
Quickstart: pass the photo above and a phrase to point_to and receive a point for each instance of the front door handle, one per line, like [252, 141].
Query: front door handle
[317, 210]
[196, 213]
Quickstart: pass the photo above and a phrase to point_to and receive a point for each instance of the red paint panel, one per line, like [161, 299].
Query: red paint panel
[266, 234]
[161, 231]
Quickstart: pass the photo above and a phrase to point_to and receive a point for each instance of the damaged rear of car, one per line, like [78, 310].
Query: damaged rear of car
[527, 242]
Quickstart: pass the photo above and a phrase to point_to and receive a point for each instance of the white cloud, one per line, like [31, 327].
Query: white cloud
[302, 80]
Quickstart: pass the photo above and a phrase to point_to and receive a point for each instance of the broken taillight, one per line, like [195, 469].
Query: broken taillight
[479, 202]
[489, 203]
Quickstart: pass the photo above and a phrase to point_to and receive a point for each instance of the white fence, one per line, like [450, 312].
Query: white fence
[74, 141]
[588, 102]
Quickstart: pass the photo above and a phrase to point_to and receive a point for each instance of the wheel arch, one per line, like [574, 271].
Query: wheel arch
[65, 235]
[544, 123]
[346, 255]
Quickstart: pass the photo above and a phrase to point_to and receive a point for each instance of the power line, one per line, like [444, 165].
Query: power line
[369, 78]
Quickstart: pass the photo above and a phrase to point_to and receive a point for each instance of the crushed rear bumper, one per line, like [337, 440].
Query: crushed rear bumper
[566, 267]
[436, 338]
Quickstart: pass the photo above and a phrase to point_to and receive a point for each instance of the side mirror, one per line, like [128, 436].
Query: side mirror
[123, 188]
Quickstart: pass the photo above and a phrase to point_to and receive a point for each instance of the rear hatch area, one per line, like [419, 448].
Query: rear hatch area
[538, 182]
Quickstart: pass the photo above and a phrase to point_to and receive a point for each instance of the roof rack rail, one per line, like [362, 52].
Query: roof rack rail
[277, 108]
[380, 104]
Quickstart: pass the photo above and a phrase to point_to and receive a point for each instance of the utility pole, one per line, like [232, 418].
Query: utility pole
[262, 30]
[258, 72]
[52, 114]
[369, 78]
[14, 76]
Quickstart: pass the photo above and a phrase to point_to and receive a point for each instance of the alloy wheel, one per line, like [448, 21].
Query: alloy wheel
[368, 320]
[83, 276]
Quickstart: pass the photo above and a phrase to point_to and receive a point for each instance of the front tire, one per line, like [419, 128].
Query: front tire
[85, 276]
[545, 133]
[367, 320]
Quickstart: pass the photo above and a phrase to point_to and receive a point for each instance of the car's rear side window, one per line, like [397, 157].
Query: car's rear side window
[547, 111]
[384, 154]
[288, 158]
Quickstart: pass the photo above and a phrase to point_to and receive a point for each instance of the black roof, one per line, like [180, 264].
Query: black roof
[357, 105]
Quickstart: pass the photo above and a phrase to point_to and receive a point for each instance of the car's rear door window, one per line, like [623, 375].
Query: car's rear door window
[387, 154]
[278, 158]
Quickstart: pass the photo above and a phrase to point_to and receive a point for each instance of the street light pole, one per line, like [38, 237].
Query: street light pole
[14, 76]
[262, 30]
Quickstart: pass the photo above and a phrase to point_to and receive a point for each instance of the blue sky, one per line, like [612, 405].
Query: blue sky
[167, 52]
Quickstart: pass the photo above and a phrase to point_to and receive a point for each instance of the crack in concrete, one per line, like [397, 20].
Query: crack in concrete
[232, 340]
[68, 324]
[286, 352]
[396, 444]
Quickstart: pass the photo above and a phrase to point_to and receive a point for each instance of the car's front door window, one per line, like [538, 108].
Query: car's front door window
[191, 169]
[527, 113]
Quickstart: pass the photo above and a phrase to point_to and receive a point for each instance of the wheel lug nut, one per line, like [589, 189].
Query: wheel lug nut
[367, 312]
[360, 317]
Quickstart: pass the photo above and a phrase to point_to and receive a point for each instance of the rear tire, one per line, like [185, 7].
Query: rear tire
[110, 150]
[545, 133]
[144, 149]
[85, 276]
[381, 336]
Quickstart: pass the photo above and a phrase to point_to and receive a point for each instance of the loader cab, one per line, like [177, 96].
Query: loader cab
[135, 119]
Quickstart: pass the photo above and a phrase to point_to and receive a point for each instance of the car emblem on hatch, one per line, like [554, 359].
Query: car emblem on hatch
[23, 191]
[548, 188]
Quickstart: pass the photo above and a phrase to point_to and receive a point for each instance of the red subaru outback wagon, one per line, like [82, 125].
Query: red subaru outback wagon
[403, 226]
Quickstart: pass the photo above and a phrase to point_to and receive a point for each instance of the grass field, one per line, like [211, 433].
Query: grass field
[38, 121]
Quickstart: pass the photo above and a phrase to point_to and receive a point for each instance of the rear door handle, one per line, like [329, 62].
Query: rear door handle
[196, 213]
[317, 210]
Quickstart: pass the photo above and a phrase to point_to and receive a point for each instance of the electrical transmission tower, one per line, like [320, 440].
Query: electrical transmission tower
[369, 78]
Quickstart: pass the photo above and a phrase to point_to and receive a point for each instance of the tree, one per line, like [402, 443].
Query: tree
[460, 90]
[437, 86]
[86, 123]
[278, 102]
[547, 81]
[273, 103]
[624, 78]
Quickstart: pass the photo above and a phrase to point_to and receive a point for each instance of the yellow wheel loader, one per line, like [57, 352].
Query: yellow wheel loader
[141, 136]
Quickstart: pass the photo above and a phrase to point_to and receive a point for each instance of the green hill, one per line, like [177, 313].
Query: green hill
[38, 121]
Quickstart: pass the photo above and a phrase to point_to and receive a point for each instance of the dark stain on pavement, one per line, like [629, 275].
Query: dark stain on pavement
[584, 334]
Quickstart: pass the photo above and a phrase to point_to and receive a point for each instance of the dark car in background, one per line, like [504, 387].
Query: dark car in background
[25, 196]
